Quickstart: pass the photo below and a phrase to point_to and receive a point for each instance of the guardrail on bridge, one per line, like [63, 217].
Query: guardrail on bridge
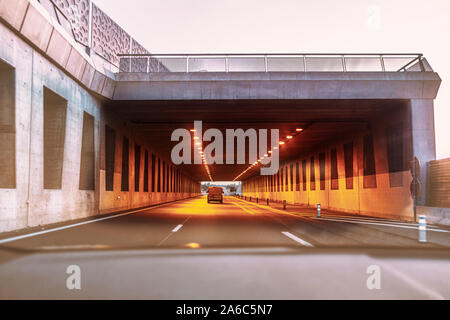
[280, 62]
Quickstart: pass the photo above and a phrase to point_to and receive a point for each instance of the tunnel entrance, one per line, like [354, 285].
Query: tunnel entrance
[340, 153]
[230, 188]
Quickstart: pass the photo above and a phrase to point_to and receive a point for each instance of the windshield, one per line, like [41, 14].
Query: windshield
[131, 172]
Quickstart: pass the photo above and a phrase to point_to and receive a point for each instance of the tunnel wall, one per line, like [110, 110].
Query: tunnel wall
[164, 181]
[52, 131]
[383, 194]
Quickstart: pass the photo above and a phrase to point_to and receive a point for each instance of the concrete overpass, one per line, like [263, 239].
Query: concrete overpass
[359, 109]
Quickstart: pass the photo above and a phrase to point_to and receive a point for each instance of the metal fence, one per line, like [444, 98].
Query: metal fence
[284, 62]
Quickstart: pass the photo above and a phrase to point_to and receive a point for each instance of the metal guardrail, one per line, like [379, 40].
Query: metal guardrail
[279, 62]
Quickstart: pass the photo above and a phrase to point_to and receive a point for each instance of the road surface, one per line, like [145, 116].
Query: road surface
[236, 250]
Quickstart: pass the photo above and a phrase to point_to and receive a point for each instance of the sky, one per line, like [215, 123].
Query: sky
[263, 26]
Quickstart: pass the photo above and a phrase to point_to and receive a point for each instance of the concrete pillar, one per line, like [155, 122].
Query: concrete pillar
[423, 139]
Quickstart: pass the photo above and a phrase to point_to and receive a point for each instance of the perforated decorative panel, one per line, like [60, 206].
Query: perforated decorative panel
[108, 38]
[77, 11]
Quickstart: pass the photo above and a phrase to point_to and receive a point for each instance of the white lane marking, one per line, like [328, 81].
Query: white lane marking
[365, 219]
[374, 221]
[178, 227]
[173, 231]
[412, 282]
[75, 247]
[76, 224]
[382, 224]
[295, 238]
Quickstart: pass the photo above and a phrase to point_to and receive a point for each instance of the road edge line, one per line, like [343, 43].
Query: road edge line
[33, 234]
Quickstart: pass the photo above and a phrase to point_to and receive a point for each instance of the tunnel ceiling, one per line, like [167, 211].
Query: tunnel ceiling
[323, 121]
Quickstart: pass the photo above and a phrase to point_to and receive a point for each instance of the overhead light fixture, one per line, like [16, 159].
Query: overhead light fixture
[281, 143]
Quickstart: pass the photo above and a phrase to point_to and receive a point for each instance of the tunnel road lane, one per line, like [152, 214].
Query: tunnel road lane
[235, 223]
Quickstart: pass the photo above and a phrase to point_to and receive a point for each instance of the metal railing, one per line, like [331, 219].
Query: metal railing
[280, 62]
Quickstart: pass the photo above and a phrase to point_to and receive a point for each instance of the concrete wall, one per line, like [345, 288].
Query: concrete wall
[435, 215]
[39, 28]
[424, 142]
[390, 198]
[276, 85]
[28, 204]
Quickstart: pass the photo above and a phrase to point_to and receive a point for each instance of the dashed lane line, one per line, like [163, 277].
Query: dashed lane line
[297, 239]
[178, 227]
[174, 230]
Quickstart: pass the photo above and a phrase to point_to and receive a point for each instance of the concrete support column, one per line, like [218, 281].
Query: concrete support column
[423, 139]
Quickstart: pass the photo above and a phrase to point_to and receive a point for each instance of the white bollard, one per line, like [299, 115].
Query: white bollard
[422, 228]
[318, 210]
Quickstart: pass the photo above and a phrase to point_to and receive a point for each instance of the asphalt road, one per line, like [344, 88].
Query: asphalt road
[236, 250]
